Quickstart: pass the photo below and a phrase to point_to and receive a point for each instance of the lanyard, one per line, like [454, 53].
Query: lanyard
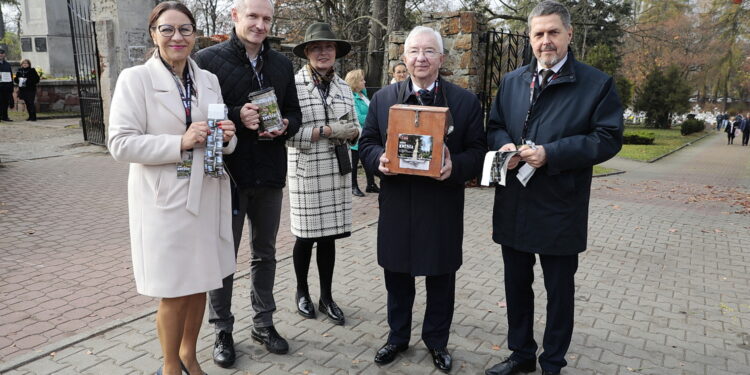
[185, 96]
[532, 101]
[256, 68]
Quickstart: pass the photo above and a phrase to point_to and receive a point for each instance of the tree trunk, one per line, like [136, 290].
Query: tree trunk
[376, 45]
[396, 15]
[2, 24]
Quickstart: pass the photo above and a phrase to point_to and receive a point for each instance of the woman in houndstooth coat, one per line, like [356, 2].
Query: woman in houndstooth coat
[320, 197]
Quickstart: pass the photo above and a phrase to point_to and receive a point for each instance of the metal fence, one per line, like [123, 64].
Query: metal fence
[86, 58]
[504, 52]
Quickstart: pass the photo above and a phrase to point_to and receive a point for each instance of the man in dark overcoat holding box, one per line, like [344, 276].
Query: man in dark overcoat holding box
[420, 227]
[568, 117]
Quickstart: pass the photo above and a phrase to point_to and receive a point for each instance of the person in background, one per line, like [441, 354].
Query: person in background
[356, 80]
[27, 78]
[399, 73]
[745, 127]
[320, 198]
[180, 218]
[6, 87]
[731, 127]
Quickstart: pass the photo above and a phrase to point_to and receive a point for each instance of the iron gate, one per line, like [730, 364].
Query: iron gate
[86, 58]
[504, 52]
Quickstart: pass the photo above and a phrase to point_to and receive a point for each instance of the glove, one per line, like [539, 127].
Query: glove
[344, 130]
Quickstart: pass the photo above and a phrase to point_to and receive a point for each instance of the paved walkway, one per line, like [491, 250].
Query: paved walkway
[663, 289]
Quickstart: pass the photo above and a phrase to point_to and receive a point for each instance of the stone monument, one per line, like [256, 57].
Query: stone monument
[45, 38]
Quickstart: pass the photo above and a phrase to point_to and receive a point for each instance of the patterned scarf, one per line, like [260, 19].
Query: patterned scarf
[322, 82]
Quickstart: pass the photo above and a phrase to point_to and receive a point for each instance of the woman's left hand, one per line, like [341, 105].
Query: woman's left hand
[228, 127]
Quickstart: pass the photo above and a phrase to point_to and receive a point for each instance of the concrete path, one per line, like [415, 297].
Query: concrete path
[663, 289]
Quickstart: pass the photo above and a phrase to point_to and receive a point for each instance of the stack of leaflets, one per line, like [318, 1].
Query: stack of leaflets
[496, 167]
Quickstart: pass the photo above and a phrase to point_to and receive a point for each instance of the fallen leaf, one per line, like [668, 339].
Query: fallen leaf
[718, 231]
[495, 347]
[672, 230]
[502, 304]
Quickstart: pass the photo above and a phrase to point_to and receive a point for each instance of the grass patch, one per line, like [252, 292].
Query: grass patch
[599, 170]
[667, 140]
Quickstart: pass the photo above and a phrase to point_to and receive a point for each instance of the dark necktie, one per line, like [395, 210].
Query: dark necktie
[425, 97]
[546, 73]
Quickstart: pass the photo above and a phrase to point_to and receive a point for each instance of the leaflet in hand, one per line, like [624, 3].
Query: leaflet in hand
[496, 167]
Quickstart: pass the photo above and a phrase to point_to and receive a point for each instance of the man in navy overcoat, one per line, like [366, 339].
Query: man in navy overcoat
[568, 118]
[420, 226]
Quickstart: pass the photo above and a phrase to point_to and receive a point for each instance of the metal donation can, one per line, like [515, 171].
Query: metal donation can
[270, 116]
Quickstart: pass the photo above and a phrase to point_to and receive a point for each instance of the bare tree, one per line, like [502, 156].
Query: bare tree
[396, 15]
[376, 44]
[213, 16]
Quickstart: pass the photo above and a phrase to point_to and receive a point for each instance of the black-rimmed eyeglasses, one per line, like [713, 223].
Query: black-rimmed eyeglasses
[167, 31]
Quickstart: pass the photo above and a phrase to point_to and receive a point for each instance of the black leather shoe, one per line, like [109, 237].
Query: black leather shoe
[372, 189]
[387, 353]
[271, 339]
[332, 311]
[357, 192]
[442, 359]
[510, 367]
[305, 306]
[224, 355]
[7, 119]
[544, 372]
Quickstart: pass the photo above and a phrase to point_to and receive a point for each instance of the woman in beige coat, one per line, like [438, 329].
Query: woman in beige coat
[180, 225]
[320, 196]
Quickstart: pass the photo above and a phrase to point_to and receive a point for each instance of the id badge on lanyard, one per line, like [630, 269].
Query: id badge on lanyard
[185, 166]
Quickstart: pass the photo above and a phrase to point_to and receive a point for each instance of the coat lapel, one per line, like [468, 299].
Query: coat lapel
[165, 87]
[204, 93]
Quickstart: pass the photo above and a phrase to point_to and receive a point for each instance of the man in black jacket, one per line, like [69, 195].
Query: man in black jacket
[568, 117]
[244, 64]
[6, 87]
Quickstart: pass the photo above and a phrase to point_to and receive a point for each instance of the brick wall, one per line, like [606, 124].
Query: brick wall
[54, 96]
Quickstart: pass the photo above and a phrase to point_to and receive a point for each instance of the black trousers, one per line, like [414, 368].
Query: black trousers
[559, 272]
[438, 312]
[745, 137]
[29, 98]
[262, 208]
[355, 163]
[6, 97]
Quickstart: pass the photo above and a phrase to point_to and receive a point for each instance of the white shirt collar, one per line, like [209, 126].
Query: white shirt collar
[556, 68]
[416, 88]
[254, 61]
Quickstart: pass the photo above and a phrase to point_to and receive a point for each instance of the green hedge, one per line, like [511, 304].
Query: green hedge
[638, 137]
[692, 126]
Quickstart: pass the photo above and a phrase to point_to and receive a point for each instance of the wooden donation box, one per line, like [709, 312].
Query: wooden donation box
[416, 136]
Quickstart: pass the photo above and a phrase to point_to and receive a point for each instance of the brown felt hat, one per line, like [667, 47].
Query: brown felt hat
[321, 32]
